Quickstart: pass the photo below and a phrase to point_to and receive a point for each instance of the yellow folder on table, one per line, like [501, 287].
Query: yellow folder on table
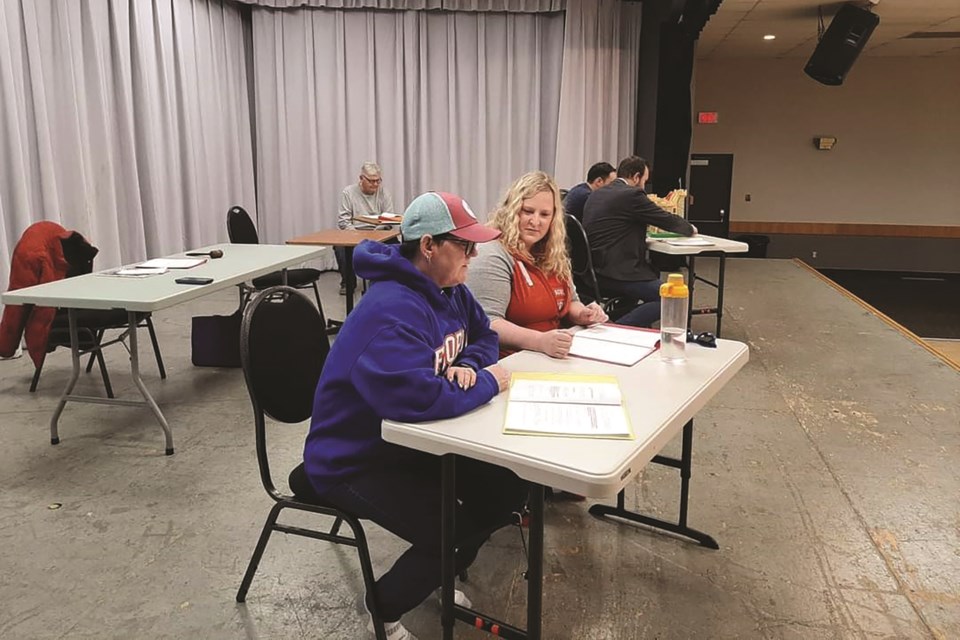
[566, 405]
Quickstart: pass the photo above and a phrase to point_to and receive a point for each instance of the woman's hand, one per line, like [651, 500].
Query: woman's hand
[556, 343]
[464, 377]
[502, 374]
[591, 314]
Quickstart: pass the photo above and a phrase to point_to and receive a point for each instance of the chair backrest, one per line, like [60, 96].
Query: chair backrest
[45, 252]
[581, 262]
[240, 227]
[283, 347]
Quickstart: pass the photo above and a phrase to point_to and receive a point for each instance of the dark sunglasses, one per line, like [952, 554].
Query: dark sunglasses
[467, 245]
[705, 339]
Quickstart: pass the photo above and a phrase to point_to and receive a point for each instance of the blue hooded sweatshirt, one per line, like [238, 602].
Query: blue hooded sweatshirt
[388, 362]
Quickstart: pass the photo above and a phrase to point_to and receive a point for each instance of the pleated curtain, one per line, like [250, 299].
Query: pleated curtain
[127, 121]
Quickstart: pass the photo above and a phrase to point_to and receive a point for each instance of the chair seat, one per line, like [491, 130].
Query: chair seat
[301, 488]
[295, 278]
[616, 308]
[94, 319]
[89, 323]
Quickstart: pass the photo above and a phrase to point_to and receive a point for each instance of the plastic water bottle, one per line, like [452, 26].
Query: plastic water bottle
[674, 299]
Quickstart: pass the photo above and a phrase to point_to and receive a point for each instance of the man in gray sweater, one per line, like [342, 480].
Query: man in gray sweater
[364, 198]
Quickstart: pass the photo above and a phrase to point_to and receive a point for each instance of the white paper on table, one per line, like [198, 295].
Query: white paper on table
[688, 242]
[621, 335]
[171, 263]
[611, 343]
[559, 391]
[605, 351]
[138, 272]
[567, 419]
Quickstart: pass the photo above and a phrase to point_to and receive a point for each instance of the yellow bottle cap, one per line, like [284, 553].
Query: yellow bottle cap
[674, 287]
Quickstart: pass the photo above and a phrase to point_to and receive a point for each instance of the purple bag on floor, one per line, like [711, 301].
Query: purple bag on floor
[215, 341]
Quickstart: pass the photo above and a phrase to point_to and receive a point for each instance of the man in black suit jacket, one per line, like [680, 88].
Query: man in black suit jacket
[615, 218]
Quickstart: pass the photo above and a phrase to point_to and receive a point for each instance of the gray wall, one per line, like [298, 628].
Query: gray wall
[897, 121]
[896, 160]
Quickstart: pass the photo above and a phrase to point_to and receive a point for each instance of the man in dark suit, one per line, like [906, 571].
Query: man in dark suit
[615, 218]
[599, 175]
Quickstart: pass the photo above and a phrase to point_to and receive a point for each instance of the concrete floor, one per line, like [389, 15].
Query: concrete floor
[827, 470]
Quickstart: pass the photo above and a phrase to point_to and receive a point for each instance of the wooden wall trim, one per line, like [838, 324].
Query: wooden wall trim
[846, 229]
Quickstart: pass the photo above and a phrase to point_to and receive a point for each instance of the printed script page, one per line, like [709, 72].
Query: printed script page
[566, 405]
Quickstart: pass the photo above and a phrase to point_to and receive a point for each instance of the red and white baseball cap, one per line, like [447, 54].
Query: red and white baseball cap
[434, 213]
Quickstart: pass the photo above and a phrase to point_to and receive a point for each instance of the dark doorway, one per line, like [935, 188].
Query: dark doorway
[711, 176]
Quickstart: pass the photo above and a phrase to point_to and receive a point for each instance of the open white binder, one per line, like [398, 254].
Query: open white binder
[614, 343]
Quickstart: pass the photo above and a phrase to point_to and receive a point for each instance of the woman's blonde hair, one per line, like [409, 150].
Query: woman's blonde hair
[550, 253]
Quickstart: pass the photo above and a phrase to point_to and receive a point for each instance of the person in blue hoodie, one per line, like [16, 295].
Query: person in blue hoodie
[418, 347]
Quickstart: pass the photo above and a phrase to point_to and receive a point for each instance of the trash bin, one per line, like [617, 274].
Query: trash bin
[758, 246]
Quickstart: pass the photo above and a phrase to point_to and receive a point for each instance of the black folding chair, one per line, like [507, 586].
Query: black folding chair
[92, 325]
[241, 230]
[584, 277]
[283, 346]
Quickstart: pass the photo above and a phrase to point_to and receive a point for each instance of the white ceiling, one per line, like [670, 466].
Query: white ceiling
[738, 27]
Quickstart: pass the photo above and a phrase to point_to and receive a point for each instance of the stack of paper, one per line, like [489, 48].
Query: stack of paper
[138, 272]
[171, 263]
[616, 344]
[556, 404]
[383, 218]
[695, 241]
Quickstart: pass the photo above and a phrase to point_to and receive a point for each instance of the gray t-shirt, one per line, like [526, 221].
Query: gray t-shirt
[490, 279]
[354, 202]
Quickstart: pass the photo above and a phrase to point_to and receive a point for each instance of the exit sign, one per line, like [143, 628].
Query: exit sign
[707, 117]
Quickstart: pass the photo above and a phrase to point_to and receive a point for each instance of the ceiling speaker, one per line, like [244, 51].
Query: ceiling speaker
[841, 44]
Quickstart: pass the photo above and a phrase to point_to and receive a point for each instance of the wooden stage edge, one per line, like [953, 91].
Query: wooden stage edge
[890, 321]
[846, 229]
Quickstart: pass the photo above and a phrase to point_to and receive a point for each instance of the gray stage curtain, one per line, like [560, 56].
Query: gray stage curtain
[598, 93]
[463, 102]
[510, 6]
[128, 121]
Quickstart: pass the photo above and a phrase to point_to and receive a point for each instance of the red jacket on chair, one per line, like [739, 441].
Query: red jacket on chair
[46, 252]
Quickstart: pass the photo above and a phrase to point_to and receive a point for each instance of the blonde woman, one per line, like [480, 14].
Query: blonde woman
[523, 281]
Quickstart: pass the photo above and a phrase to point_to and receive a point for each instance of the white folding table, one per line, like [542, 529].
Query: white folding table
[661, 399]
[718, 248]
[240, 262]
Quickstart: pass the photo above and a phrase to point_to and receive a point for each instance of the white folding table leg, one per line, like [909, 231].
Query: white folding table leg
[135, 374]
[74, 376]
[68, 396]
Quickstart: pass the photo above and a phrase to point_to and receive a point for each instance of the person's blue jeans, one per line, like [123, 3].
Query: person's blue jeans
[646, 312]
[405, 500]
